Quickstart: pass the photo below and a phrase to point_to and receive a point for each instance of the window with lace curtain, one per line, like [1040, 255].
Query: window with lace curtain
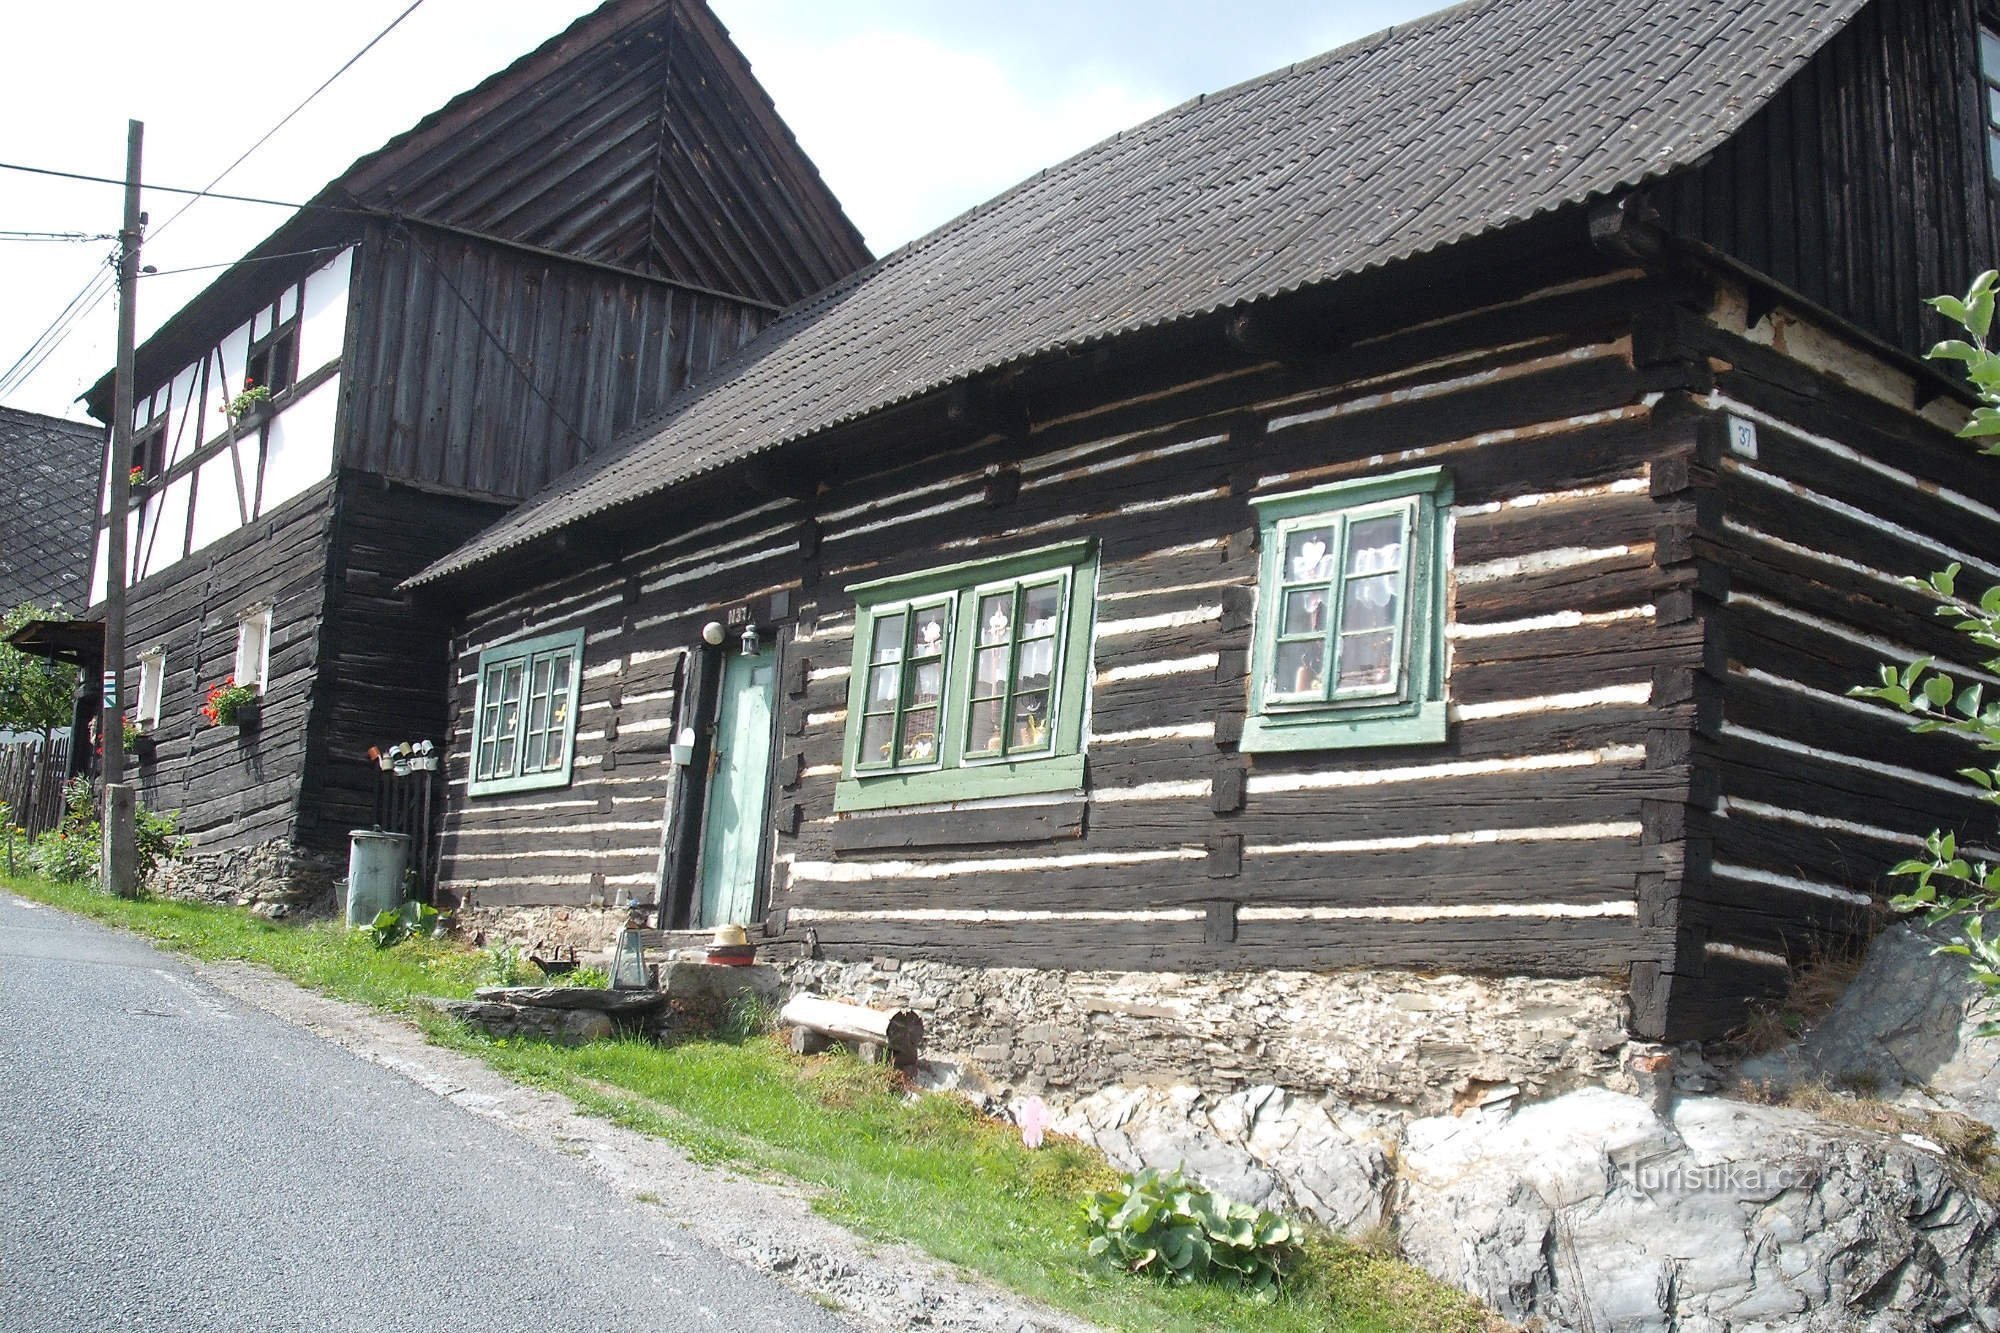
[969, 680]
[1350, 614]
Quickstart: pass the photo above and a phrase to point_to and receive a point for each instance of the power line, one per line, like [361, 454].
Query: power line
[163, 189]
[52, 337]
[56, 236]
[58, 329]
[287, 118]
[233, 263]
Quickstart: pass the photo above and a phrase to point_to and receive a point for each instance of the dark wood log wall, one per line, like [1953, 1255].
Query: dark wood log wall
[383, 670]
[235, 788]
[1804, 796]
[1864, 184]
[1539, 838]
[495, 370]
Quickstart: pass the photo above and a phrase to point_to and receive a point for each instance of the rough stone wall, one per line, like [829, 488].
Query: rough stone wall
[275, 878]
[591, 931]
[1408, 1043]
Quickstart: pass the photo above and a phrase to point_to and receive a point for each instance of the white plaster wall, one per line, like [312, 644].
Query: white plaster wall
[297, 453]
[217, 512]
[184, 428]
[225, 373]
[166, 528]
[323, 321]
[300, 449]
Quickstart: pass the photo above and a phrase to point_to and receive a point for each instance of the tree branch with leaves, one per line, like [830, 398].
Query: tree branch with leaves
[36, 694]
[1949, 887]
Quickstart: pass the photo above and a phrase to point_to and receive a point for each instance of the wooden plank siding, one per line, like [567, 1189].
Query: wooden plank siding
[383, 670]
[235, 788]
[494, 370]
[1807, 796]
[1863, 185]
[1521, 844]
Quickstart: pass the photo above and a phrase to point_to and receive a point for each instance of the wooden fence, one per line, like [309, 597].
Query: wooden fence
[31, 782]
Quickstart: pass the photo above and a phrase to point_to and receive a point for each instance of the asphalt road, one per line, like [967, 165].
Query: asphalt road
[173, 1159]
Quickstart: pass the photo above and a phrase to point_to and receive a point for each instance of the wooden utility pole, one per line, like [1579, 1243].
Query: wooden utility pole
[120, 865]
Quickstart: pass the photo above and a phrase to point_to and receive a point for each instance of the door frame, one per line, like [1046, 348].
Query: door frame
[683, 850]
[760, 885]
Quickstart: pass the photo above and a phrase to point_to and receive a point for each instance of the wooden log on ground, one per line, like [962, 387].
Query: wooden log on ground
[816, 1021]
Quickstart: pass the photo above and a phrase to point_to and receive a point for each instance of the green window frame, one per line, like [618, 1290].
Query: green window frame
[970, 680]
[524, 714]
[1989, 95]
[1351, 608]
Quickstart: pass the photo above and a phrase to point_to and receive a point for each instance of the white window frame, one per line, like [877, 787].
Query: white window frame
[152, 688]
[253, 648]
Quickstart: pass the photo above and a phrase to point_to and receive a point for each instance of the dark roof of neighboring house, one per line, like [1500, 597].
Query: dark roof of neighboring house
[50, 470]
[637, 137]
[1458, 124]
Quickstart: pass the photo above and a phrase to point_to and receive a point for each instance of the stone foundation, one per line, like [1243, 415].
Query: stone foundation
[591, 931]
[275, 878]
[1396, 1043]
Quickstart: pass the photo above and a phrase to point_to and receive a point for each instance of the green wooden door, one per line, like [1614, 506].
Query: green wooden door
[739, 773]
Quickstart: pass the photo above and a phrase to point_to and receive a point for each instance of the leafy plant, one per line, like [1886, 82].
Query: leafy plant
[69, 852]
[596, 978]
[1160, 1225]
[226, 700]
[1949, 887]
[508, 967]
[413, 920]
[252, 395]
[157, 834]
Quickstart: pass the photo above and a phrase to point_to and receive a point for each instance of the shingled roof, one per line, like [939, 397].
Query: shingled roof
[1461, 123]
[49, 474]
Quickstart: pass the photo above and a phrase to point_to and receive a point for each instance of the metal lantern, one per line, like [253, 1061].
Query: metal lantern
[629, 970]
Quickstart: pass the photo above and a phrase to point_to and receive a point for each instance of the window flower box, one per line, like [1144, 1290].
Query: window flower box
[232, 705]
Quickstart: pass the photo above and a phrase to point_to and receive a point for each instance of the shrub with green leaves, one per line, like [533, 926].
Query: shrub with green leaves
[508, 966]
[69, 852]
[1949, 887]
[1160, 1225]
[413, 920]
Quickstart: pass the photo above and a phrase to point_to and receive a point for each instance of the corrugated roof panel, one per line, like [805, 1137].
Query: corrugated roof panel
[1475, 118]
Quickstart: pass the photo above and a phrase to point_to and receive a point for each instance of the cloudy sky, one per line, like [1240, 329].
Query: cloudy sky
[913, 109]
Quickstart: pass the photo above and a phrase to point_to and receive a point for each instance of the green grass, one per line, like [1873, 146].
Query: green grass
[924, 1169]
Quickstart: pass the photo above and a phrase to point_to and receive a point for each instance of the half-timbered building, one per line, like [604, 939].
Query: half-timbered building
[1420, 509]
[452, 323]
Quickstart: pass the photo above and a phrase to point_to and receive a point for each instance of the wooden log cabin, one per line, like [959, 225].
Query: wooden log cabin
[1422, 509]
[448, 326]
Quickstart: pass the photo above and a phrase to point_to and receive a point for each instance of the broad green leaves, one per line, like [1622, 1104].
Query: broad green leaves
[413, 920]
[1974, 313]
[1161, 1225]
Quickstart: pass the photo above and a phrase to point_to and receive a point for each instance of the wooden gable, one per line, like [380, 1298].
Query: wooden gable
[638, 138]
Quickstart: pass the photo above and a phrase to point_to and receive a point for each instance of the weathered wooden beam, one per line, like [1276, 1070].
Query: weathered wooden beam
[897, 1032]
[1285, 336]
[984, 409]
